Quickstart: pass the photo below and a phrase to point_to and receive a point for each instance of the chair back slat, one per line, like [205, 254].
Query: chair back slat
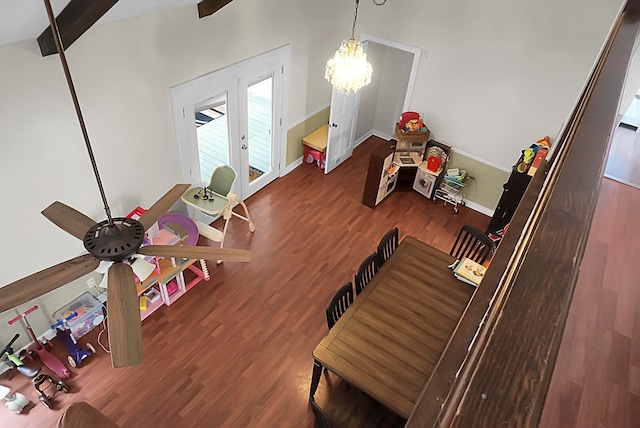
[387, 246]
[472, 243]
[368, 268]
[339, 304]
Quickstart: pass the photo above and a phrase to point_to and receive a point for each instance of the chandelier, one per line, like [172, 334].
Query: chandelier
[349, 70]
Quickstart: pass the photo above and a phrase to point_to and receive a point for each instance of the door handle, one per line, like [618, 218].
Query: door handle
[334, 125]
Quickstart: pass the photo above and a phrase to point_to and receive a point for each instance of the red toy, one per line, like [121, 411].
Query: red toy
[406, 117]
[46, 357]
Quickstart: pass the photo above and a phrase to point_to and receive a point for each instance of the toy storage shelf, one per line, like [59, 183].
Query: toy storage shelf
[512, 193]
[168, 271]
[171, 271]
[151, 308]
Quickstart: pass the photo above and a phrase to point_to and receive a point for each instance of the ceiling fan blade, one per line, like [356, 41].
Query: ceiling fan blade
[123, 316]
[68, 219]
[162, 205]
[195, 252]
[37, 284]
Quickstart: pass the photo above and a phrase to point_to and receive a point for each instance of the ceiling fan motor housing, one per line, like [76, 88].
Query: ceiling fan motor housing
[115, 241]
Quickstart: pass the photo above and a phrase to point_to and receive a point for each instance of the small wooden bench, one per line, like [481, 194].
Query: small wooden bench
[315, 146]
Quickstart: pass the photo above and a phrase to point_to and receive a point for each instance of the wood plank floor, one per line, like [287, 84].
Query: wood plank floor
[236, 351]
[596, 380]
[623, 163]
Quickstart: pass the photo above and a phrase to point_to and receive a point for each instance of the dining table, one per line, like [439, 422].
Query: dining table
[390, 339]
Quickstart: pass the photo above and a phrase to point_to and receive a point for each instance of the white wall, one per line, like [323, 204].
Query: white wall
[500, 75]
[396, 69]
[381, 101]
[632, 83]
[369, 94]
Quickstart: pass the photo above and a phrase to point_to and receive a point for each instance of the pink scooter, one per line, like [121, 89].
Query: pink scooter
[46, 357]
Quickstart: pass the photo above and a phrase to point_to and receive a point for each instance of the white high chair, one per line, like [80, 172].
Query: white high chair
[217, 199]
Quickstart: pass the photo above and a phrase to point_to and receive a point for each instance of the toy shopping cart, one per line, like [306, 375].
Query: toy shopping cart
[450, 190]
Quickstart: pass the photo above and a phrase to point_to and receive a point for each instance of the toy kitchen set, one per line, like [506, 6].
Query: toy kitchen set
[411, 161]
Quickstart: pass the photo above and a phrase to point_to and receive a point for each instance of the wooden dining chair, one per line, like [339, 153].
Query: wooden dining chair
[387, 246]
[82, 414]
[368, 268]
[472, 243]
[347, 406]
[339, 304]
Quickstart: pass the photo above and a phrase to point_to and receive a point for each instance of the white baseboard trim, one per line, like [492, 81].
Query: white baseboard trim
[620, 180]
[479, 208]
[361, 139]
[381, 135]
[291, 167]
[373, 132]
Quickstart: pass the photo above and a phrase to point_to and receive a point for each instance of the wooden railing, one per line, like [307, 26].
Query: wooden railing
[498, 364]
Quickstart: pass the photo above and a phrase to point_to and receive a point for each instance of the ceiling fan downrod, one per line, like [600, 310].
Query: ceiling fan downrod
[76, 103]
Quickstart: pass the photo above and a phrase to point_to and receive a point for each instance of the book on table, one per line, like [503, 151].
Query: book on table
[469, 271]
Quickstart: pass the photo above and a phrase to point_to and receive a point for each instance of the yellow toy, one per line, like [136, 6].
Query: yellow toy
[414, 125]
[527, 158]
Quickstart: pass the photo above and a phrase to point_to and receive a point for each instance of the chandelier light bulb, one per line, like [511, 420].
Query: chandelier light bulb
[349, 70]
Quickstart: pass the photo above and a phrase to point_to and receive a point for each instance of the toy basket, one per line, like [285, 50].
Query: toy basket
[411, 136]
[450, 190]
[436, 158]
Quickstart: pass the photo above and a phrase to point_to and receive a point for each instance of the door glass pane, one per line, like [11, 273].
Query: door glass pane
[260, 115]
[213, 135]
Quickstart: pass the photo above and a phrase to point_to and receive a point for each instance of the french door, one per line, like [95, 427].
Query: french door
[233, 116]
[342, 128]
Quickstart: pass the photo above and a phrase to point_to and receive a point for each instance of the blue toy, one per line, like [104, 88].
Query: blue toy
[63, 333]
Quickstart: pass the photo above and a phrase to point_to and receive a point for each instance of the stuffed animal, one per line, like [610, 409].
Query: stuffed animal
[546, 141]
[527, 158]
[414, 125]
[406, 117]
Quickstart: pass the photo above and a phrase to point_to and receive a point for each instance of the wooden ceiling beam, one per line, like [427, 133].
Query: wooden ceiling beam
[209, 7]
[76, 18]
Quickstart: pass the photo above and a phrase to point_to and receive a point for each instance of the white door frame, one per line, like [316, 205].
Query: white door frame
[262, 67]
[417, 54]
[342, 128]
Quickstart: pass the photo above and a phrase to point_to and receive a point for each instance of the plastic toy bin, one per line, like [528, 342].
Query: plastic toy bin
[89, 314]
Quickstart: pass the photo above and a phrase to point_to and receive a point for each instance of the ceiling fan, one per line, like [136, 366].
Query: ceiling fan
[111, 240]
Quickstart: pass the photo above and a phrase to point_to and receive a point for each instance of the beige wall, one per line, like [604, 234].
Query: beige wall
[485, 188]
[483, 191]
[296, 133]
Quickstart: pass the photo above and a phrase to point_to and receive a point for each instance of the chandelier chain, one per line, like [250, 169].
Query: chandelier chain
[355, 18]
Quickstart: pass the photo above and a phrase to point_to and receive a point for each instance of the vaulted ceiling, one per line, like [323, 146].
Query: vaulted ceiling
[27, 19]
